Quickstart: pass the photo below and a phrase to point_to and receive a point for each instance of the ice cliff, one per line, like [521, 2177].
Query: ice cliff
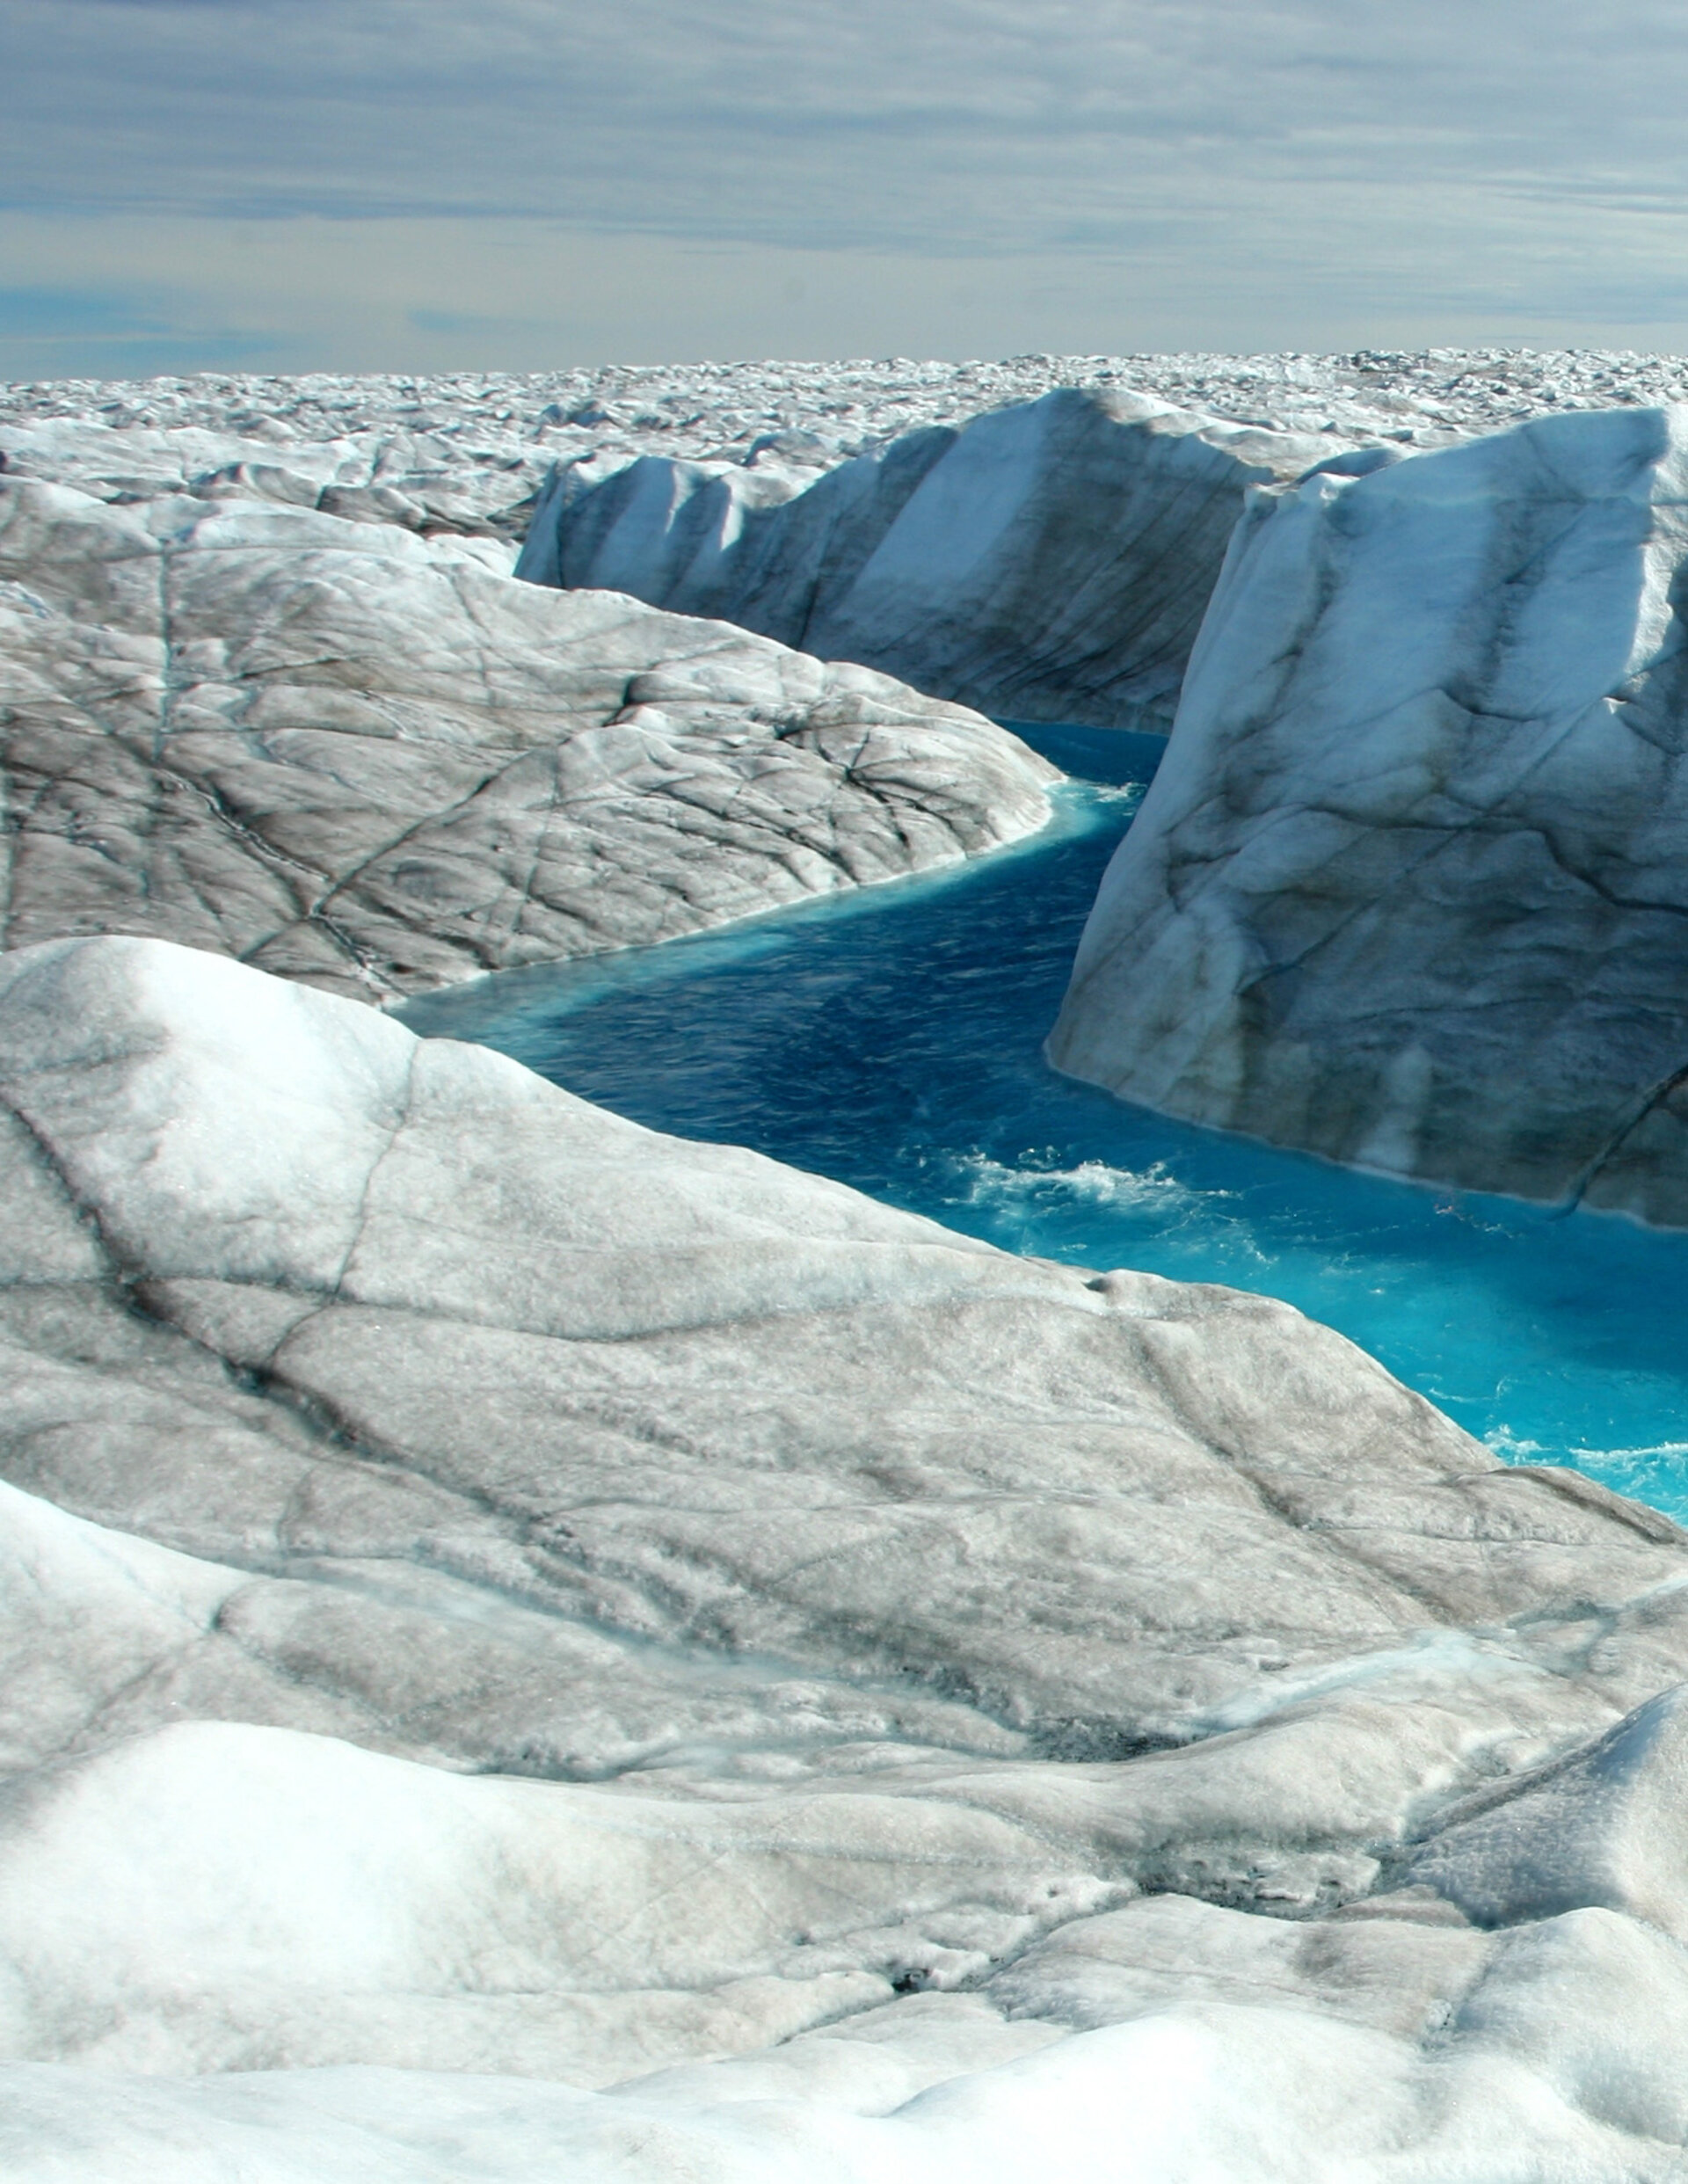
[1048, 561]
[1410, 887]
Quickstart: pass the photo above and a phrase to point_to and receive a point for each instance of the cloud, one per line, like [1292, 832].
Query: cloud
[1343, 167]
[968, 124]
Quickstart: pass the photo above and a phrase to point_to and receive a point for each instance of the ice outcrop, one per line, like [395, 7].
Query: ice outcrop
[1410, 887]
[1605, 1826]
[488, 1588]
[377, 763]
[1049, 561]
[430, 482]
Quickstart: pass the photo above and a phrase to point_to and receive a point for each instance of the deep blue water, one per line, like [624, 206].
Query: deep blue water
[894, 1039]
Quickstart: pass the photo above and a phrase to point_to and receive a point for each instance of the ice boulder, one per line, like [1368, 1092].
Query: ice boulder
[1409, 889]
[1047, 561]
[377, 763]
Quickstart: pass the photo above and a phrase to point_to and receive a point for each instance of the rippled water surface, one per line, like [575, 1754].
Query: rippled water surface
[894, 1040]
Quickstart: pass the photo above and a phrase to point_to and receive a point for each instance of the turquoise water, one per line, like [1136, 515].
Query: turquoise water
[893, 1040]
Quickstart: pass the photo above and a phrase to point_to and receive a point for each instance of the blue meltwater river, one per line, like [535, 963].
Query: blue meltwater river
[894, 1039]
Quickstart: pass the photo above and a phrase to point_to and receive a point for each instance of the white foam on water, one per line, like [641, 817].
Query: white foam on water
[1666, 1451]
[1513, 1448]
[1153, 1190]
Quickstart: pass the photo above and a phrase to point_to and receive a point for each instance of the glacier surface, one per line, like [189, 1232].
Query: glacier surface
[535, 1647]
[761, 1680]
[473, 448]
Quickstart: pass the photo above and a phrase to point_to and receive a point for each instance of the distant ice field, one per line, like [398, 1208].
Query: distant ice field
[494, 434]
[893, 1040]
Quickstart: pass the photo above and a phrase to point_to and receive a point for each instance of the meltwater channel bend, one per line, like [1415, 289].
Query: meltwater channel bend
[894, 1039]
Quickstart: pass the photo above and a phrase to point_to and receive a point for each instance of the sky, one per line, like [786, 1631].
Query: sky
[526, 185]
